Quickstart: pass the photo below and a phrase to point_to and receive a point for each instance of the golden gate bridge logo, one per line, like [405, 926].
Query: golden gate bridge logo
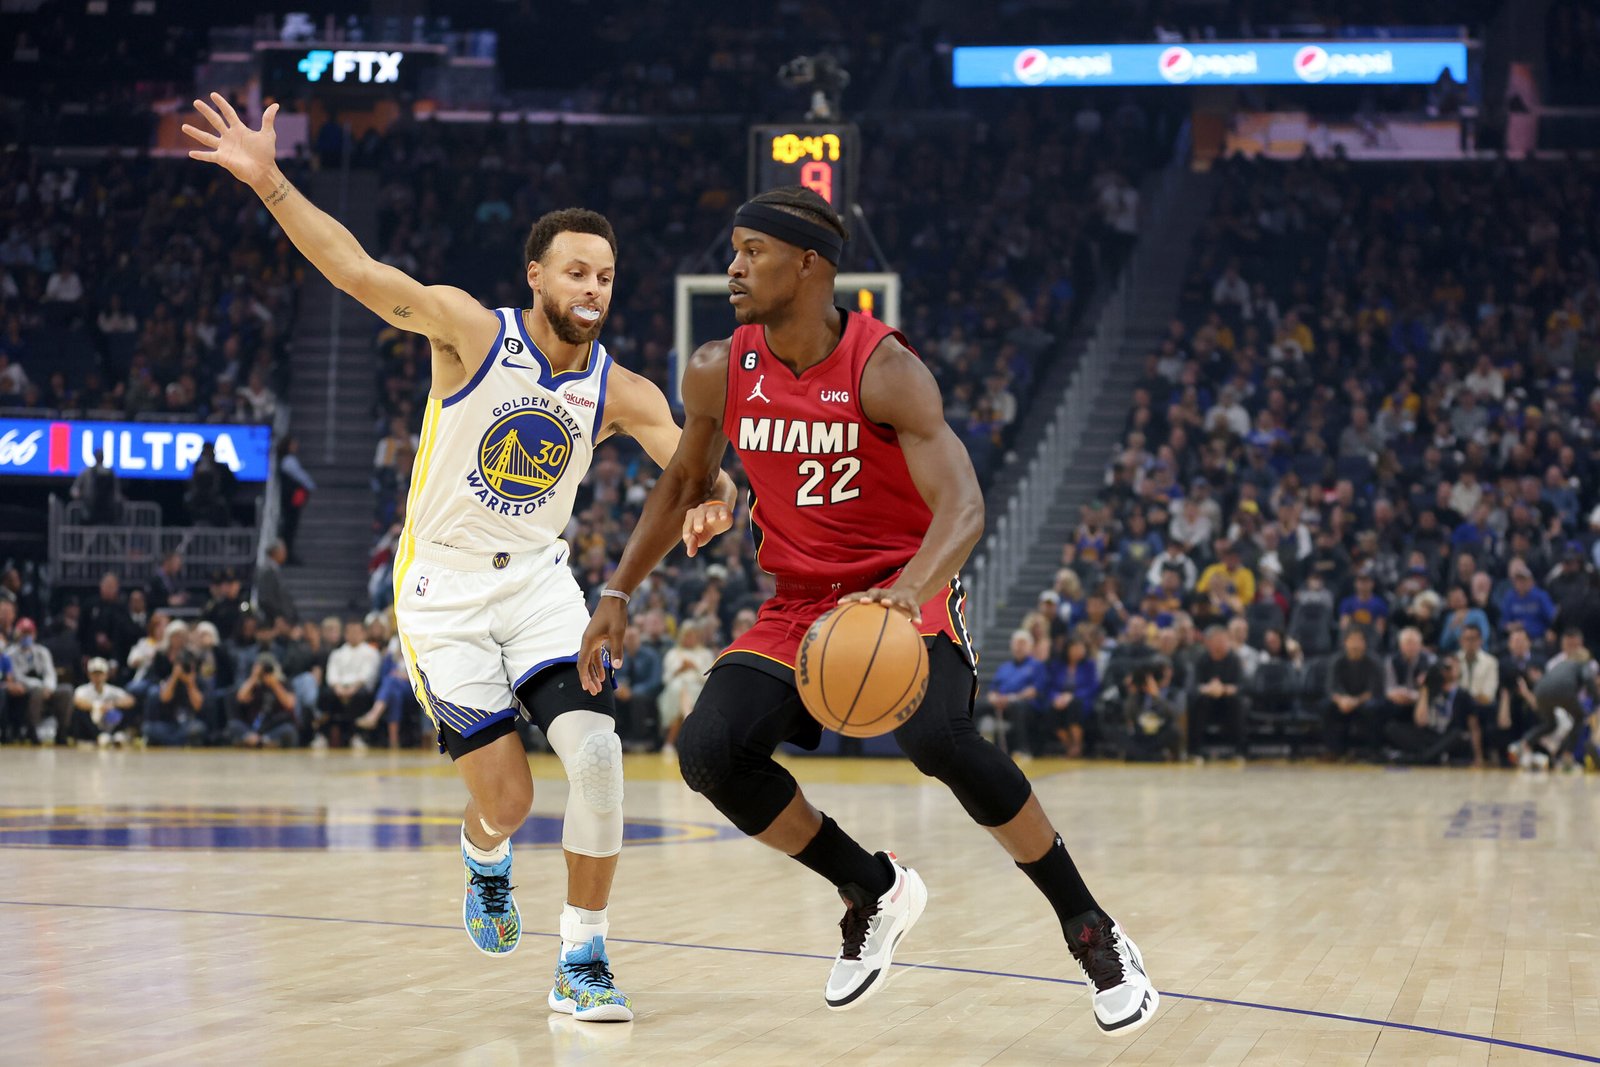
[524, 454]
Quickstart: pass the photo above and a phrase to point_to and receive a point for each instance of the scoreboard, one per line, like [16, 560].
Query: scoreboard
[825, 158]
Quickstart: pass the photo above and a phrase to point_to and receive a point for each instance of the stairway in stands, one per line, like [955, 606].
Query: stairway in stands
[336, 442]
[1153, 302]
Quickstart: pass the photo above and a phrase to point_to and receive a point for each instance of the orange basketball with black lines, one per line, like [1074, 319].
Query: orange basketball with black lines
[863, 669]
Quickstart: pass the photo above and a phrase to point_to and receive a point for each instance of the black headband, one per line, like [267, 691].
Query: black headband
[794, 229]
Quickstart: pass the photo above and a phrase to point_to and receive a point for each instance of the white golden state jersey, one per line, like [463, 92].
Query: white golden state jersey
[499, 463]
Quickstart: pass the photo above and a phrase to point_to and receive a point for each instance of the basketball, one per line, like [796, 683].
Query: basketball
[863, 669]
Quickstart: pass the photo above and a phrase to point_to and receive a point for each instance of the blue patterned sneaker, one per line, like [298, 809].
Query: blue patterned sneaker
[584, 989]
[490, 912]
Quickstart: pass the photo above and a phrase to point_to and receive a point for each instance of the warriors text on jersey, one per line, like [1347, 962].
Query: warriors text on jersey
[833, 505]
[499, 463]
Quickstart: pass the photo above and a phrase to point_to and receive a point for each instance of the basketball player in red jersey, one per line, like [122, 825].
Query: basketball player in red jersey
[860, 491]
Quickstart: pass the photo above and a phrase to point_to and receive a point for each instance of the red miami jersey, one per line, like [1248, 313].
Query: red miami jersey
[833, 506]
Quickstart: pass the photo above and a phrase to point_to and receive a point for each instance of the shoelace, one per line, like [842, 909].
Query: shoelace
[596, 972]
[854, 928]
[1098, 955]
[494, 890]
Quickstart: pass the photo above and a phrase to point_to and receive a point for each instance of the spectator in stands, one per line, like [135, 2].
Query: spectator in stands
[97, 490]
[348, 687]
[262, 712]
[107, 629]
[394, 702]
[639, 686]
[143, 654]
[296, 485]
[1520, 671]
[683, 670]
[1353, 712]
[1459, 614]
[1071, 689]
[1366, 609]
[226, 603]
[1527, 604]
[1006, 713]
[257, 401]
[175, 712]
[1216, 695]
[272, 592]
[211, 489]
[99, 709]
[1236, 582]
[1404, 675]
[32, 690]
[1478, 674]
[166, 587]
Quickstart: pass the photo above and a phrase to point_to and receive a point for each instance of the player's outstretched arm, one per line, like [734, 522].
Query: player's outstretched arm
[898, 391]
[436, 311]
[689, 478]
[638, 409]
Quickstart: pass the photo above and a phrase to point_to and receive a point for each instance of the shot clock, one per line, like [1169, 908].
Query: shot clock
[824, 158]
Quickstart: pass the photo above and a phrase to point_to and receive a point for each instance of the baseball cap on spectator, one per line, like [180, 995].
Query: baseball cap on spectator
[1051, 596]
[1572, 554]
[98, 665]
[1250, 507]
[716, 573]
[25, 626]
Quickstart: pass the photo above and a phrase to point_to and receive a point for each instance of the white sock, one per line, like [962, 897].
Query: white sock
[580, 925]
[487, 857]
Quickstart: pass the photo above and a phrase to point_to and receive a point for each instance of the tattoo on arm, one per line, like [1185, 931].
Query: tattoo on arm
[402, 311]
[280, 194]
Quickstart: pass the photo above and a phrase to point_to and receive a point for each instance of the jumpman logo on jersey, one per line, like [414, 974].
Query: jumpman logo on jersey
[757, 392]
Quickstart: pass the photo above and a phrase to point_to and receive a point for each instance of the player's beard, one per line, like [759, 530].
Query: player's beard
[569, 329]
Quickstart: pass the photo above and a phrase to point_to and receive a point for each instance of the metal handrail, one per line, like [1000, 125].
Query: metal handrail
[1003, 553]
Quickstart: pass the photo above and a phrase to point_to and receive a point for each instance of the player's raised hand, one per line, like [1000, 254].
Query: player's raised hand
[602, 643]
[247, 154]
[702, 523]
[901, 602]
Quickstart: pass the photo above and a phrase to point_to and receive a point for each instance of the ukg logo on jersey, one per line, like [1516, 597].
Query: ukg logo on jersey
[1179, 65]
[1313, 64]
[1035, 66]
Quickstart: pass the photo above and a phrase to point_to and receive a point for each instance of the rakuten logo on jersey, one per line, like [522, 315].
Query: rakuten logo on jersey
[577, 401]
[1313, 64]
[1035, 66]
[1179, 65]
[16, 450]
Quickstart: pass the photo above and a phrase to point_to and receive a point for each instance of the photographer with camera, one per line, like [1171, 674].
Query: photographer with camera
[1150, 718]
[262, 713]
[175, 710]
[1438, 729]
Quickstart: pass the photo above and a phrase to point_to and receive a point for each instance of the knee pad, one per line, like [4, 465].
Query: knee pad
[945, 745]
[591, 752]
[748, 786]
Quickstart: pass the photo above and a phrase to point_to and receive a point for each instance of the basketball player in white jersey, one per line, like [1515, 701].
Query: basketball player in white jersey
[488, 610]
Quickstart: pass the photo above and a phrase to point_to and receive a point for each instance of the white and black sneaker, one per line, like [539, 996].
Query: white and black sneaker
[1124, 998]
[872, 929]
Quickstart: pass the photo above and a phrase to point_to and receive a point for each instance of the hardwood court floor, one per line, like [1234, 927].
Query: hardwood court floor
[217, 907]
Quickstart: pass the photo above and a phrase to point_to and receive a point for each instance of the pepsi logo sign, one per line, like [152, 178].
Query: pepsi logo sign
[1032, 66]
[1035, 66]
[1178, 65]
[1314, 64]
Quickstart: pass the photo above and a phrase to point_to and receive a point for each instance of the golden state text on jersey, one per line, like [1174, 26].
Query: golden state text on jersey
[523, 455]
[500, 461]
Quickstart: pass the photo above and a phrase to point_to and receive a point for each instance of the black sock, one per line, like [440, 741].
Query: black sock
[860, 875]
[1058, 879]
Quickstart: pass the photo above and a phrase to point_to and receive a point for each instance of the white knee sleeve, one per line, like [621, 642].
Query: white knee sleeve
[591, 752]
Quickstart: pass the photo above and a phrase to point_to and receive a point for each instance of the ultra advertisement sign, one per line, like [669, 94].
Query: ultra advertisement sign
[1222, 63]
[61, 448]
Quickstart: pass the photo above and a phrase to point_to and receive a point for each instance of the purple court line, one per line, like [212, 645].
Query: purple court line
[1308, 1013]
